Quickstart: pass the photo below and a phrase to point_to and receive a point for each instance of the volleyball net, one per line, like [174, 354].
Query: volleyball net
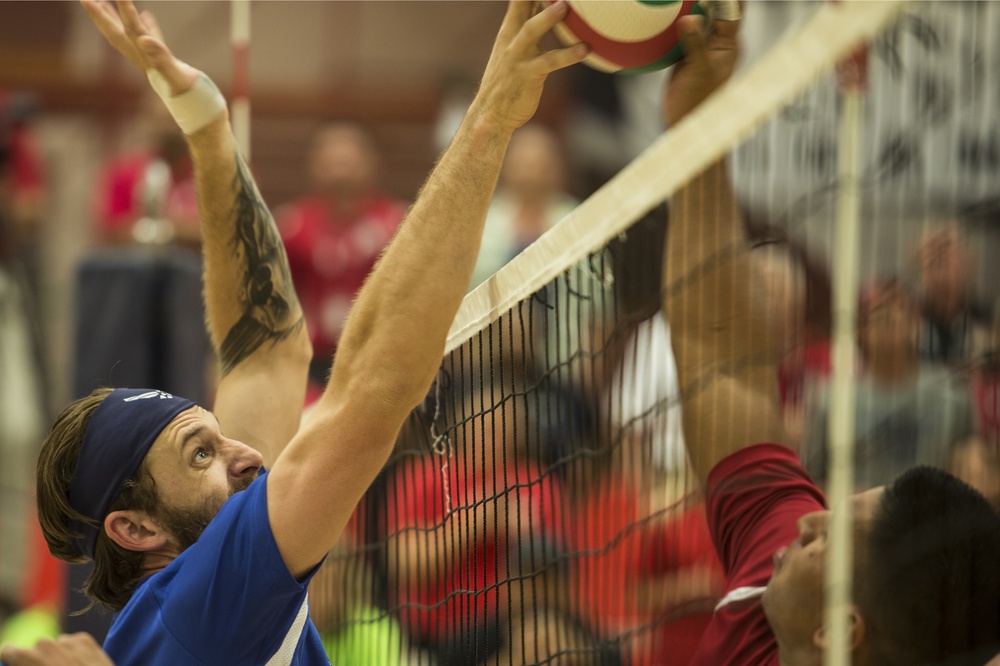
[539, 508]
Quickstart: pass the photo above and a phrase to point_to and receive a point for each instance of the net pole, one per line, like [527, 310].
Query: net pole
[239, 37]
[839, 569]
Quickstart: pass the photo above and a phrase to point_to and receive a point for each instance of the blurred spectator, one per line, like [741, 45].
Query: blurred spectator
[530, 198]
[458, 88]
[986, 385]
[908, 412]
[148, 195]
[641, 393]
[334, 234]
[451, 520]
[644, 564]
[22, 178]
[644, 396]
[541, 635]
[24, 566]
[797, 294]
[953, 323]
[353, 629]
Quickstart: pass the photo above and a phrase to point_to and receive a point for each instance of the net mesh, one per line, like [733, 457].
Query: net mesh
[539, 507]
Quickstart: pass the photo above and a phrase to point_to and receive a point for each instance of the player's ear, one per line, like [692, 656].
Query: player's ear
[134, 530]
[855, 629]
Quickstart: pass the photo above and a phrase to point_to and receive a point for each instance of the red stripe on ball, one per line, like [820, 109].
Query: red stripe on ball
[627, 54]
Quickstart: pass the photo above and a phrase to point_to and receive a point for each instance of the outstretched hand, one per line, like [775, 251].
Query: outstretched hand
[512, 84]
[137, 36]
[709, 60]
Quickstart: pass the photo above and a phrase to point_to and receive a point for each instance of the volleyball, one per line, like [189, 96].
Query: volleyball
[627, 36]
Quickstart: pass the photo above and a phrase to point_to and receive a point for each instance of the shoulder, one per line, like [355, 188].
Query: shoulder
[754, 498]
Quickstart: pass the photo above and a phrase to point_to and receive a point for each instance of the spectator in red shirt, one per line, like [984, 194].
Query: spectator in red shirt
[797, 294]
[926, 584]
[334, 234]
[154, 183]
[453, 522]
[645, 574]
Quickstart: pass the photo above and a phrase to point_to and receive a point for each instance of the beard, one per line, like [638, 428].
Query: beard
[187, 524]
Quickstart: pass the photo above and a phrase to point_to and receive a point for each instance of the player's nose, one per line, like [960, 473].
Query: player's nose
[812, 525]
[244, 461]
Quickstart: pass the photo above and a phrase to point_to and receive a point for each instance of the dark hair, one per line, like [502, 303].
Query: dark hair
[116, 570]
[931, 592]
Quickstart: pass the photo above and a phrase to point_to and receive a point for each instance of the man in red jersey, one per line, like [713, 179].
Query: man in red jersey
[334, 234]
[926, 584]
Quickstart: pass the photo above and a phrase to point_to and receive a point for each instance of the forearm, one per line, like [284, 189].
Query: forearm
[710, 295]
[249, 296]
[394, 340]
[722, 342]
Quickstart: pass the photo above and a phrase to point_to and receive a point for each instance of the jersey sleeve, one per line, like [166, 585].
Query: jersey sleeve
[232, 599]
[754, 499]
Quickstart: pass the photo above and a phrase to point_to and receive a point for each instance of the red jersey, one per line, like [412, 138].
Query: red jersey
[119, 201]
[468, 585]
[754, 499]
[813, 360]
[331, 256]
[621, 551]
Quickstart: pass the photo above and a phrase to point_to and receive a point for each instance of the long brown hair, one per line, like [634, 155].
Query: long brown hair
[116, 570]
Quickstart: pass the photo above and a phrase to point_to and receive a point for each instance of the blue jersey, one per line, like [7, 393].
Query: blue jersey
[227, 600]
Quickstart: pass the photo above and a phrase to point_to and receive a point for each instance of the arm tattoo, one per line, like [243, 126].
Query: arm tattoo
[266, 293]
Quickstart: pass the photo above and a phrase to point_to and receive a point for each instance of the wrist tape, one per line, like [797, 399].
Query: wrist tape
[724, 10]
[194, 108]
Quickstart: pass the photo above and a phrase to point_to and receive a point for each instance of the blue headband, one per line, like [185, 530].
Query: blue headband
[118, 436]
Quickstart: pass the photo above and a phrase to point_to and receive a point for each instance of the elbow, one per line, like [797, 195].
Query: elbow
[396, 393]
[295, 348]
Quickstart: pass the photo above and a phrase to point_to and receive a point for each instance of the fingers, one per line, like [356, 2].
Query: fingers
[539, 24]
[535, 27]
[78, 649]
[130, 19]
[104, 17]
[560, 58]
[152, 25]
[518, 12]
[693, 40]
[83, 649]
[43, 654]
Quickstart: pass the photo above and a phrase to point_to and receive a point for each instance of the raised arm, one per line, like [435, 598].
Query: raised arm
[253, 315]
[723, 344]
[394, 339]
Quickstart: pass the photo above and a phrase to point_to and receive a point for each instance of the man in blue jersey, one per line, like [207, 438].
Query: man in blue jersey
[204, 555]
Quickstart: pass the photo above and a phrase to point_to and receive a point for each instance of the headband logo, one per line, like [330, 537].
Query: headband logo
[162, 395]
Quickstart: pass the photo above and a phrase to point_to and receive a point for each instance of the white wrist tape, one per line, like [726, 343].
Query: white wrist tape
[194, 108]
[724, 10]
